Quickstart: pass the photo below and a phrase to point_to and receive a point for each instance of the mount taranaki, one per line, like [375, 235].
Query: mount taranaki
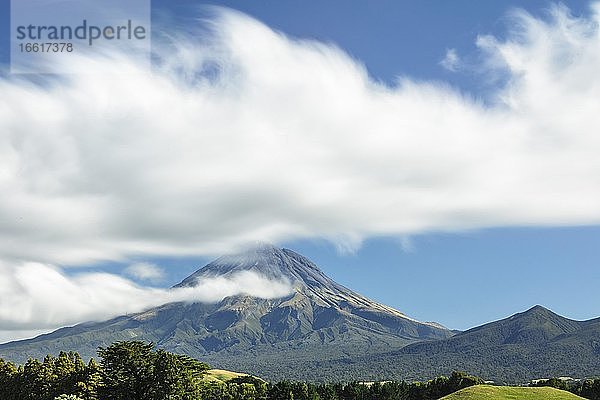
[324, 331]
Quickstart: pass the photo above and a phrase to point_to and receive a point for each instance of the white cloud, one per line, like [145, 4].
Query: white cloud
[407, 244]
[37, 297]
[288, 139]
[145, 271]
[12, 335]
[451, 60]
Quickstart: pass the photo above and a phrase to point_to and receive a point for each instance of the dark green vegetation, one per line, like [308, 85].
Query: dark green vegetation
[127, 370]
[134, 371]
[587, 388]
[324, 331]
[527, 345]
[485, 392]
[131, 370]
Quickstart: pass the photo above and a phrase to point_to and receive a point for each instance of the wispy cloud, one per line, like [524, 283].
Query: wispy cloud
[251, 135]
[37, 297]
[145, 271]
[451, 60]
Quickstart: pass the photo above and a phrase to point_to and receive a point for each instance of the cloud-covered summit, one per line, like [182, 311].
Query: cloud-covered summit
[37, 298]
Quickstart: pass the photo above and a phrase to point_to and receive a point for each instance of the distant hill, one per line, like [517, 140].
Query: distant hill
[293, 337]
[485, 392]
[532, 344]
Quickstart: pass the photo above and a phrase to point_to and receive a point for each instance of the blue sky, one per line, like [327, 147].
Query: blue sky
[458, 279]
[460, 274]
[392, 38]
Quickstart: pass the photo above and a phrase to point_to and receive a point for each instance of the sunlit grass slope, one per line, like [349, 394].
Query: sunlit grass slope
[485, 392]
[221, 375]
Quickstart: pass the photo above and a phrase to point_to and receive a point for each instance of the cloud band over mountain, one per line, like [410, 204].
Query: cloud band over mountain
[228, 142]
[251, 135]
[36, 298]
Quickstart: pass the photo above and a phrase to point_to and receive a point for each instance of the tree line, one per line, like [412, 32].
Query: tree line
[134, 370]
[587, 388]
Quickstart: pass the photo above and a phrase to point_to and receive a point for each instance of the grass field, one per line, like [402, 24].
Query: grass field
[485, 392]
[221, 375]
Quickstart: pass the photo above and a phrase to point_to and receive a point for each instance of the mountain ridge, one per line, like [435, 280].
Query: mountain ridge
[274, 263]
[320, 320]
[324, 331]
[527, 345]
[534, 325]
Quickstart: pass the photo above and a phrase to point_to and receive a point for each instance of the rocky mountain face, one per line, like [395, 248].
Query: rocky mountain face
[319, 321]
[317, 301]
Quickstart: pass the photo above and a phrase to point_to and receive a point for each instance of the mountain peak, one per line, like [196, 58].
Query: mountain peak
[538, 311]
[259, 247]
[535, 325]
[265, 259]
[538, 308]
[321, 318]
[276, 263]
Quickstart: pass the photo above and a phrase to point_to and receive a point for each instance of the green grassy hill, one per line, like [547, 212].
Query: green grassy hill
[221, 375]
[485, 392]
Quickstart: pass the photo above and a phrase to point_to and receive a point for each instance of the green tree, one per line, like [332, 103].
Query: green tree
[553, 382]
[176, 376]
[89, 381]
[8, 380]
[31, 381]
[281, 391]
[133, 371]
[590, 389]
[460, 380]
[327, 392]
[127, 371]
[260, 386]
